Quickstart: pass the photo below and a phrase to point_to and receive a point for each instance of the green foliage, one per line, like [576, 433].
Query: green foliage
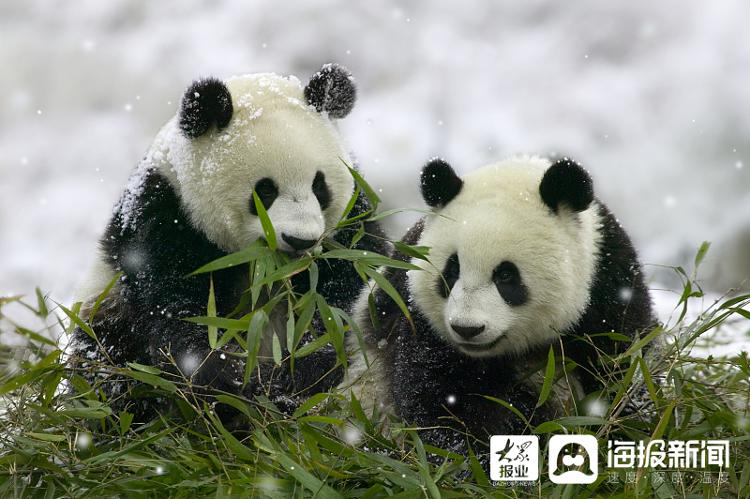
[59, 438]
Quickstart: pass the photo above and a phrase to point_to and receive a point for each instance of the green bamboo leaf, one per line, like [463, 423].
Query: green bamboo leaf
[307, 479]
[221, 322]
[419, 252]
[350, 204]
[388, 213]
[306, 304]
[648, 379]
[276, 349]
[254, 336]
[126, 419]
[701, 253]
[42, 310]
[388, 288]
[581, 421]
[47, 437]
[144, 368]
[663, 421]
[35, 336]
[94, 410]
[313, 272]
[100, 299]
[75, 319]
[235, 402]
[149, 379]
[549, 378]
[310, 403]
[362, 183]
[213, 331]
[265, 222]
[313, 346]
[643, 341]
[20, 380]
[286, 271]
[249, 254]
[234, 445]
[509, 407]
[333, 326]
[549, 427]
[290, 323]
[368, 257]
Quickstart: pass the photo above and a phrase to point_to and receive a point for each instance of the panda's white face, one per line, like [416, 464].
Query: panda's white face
[276, 145]
[506, 273]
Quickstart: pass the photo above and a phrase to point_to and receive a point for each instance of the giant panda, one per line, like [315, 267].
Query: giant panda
[190, 201]
[522, 257]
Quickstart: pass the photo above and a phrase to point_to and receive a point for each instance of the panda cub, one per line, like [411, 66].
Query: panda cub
[522, 257]
[190, 201]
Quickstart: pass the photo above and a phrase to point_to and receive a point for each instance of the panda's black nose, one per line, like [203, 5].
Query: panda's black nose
[467, 332]
[297, 243]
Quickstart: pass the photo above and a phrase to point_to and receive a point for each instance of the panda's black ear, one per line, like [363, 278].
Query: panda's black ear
[439, 183]
[206, 102]
[332, 90]
[566, 182]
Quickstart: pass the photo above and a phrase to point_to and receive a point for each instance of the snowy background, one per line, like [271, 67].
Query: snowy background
[652, 97]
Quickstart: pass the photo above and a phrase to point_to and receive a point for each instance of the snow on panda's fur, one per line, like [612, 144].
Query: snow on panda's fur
[190, 202]
[522, 257]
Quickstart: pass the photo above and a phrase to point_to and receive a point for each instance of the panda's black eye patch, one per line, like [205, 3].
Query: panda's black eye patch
[267, 191]
[507, 278]
[449, 276]
[321, 191]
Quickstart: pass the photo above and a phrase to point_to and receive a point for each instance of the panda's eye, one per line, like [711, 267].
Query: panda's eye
[267, 191]
[321, 191]
[508, 281]
[449, 276]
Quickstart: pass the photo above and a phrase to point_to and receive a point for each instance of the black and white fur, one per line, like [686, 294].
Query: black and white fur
[522, 257]
[190, 202]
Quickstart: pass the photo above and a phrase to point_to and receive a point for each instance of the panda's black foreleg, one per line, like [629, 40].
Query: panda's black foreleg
[446, 394]
[289, 385]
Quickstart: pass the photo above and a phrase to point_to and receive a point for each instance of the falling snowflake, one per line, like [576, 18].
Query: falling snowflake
[352, 435]
[596, 408]
[625, 294]
[189, 363]
[83, 441]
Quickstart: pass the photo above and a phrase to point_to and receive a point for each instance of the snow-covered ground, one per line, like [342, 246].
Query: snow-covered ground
[651, 96]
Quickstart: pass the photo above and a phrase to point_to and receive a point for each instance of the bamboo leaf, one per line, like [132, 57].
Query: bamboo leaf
[254, 336]
[362, 183]
[73, 316]
[701, 253]
[549, 378]
[276, 349]
[42, 310]
[213, 331]
[265, 222]
[307, 479]
[368, 258]
[103, 295]
[249, 254]
[310, 403]
[419, 252]
[388, 288]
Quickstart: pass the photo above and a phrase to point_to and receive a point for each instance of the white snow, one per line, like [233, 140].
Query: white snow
[650, 96]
